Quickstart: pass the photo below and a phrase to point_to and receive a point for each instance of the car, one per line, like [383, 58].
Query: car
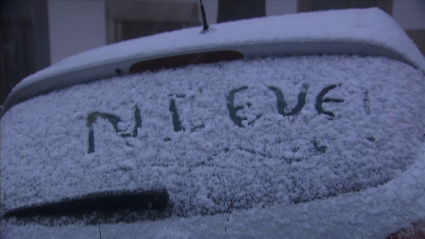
[309, 125]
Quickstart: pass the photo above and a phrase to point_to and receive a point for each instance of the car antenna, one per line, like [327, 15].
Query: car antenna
[204, 18]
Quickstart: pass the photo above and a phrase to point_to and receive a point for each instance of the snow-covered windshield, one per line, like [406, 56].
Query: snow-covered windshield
[220, 137]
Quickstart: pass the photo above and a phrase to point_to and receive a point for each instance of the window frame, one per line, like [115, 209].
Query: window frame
[117, 12]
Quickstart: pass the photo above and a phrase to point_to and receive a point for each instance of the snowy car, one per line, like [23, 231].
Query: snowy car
[299, 126]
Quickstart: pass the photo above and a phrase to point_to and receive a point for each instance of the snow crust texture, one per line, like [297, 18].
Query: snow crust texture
[220, 137]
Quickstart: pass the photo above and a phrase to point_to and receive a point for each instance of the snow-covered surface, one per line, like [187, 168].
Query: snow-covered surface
[369, 26]
[372, 213]
[257, 171]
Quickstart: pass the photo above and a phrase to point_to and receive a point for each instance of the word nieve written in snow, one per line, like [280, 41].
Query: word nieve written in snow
[237, 120]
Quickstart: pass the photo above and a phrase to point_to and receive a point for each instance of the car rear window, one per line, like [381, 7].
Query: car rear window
[219, 137]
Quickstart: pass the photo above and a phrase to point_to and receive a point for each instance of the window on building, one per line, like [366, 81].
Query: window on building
[24, 42]
[16, 52]
[321, 5]
[132, 19]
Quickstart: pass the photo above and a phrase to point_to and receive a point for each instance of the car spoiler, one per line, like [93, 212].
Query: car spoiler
[368, 32]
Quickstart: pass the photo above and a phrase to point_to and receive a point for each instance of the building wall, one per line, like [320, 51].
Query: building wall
[75, 26]
[279, 7]
[410, 14]
[211, 9]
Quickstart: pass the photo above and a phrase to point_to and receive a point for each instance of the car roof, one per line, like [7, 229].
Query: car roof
[362, 32]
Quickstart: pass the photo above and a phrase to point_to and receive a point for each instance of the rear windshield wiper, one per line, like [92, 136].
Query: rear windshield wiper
[102, 204]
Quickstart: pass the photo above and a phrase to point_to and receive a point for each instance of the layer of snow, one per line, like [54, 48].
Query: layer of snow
[371, 26]
[372, 213]
[376, 135]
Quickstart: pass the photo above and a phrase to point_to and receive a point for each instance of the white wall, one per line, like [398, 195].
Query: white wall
[75, 26]
[279, 7]
[409, 14]
[211, 10]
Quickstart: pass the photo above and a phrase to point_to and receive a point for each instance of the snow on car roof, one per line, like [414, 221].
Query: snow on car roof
[364, 32]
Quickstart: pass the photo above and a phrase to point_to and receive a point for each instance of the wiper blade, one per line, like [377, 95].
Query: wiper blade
[102, 202]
